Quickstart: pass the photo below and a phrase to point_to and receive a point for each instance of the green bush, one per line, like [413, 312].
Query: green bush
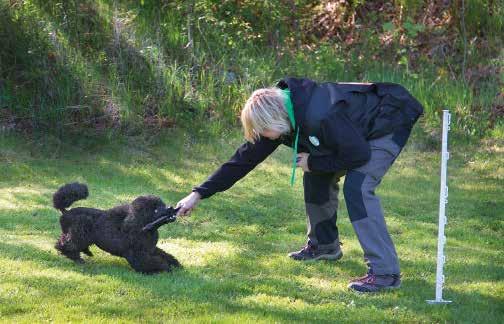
[129, 64]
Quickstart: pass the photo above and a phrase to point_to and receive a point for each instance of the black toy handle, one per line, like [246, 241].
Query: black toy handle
[162, 220]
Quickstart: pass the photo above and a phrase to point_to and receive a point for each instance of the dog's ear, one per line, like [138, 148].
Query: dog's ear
[131, 221]
[142, 211]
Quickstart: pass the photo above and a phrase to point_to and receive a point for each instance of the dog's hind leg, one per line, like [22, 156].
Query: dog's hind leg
[71, 245]
[68, 248]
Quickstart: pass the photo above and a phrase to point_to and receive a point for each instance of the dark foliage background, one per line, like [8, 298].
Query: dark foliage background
[127, 66]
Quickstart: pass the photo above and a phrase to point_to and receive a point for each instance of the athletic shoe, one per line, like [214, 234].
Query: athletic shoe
[310, 252]
[375, 283]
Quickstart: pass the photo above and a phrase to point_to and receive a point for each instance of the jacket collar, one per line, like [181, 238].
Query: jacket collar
[301, 90]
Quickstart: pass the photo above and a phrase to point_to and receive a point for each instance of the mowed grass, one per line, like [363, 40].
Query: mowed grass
[234, 246]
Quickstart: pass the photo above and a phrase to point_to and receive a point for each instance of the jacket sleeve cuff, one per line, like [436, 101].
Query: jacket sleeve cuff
[310, 163]
[318, 163]
[202, 192]
[323, 164]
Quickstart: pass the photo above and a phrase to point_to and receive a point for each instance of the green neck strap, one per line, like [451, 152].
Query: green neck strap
[290, 111]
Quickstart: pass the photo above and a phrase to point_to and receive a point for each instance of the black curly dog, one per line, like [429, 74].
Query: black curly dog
[128, 231]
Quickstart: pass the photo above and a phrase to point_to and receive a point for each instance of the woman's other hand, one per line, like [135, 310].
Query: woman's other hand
[302, 161]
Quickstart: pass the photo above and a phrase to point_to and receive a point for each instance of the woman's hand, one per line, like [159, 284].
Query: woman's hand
[188, 203]
[302, 161]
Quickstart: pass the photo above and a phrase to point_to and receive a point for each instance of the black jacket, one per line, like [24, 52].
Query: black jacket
[340, 118]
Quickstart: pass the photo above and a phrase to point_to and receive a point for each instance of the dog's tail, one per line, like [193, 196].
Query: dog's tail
[68, 194]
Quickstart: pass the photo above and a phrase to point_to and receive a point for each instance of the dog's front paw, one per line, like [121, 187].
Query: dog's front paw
[87, 252]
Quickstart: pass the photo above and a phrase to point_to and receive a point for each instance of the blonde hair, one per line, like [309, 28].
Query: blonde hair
[264, 110]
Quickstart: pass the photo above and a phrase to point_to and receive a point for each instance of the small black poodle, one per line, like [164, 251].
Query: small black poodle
[128, 231]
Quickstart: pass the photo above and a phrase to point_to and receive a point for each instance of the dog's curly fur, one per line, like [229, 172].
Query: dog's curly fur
[118, 231]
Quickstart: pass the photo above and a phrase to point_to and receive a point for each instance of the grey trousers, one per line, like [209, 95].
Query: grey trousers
[364, 207]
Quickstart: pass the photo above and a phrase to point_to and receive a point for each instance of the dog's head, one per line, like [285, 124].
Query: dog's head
[147, 209]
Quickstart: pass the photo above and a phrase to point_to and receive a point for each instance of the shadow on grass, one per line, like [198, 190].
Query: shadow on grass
[262, 223]
[269, 209]
[245, 287]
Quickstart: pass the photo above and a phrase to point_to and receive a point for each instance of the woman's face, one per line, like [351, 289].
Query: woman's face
[271, 134]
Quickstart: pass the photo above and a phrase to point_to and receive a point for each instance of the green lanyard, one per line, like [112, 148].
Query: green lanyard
[290, 111]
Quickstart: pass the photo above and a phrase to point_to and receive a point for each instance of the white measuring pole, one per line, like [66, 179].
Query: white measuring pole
[443, 200]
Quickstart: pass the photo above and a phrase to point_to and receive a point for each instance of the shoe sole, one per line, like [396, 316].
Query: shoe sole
[384, 289]
[329, 257]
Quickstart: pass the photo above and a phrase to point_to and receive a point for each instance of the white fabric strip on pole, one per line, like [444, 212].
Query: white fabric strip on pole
[443, 200]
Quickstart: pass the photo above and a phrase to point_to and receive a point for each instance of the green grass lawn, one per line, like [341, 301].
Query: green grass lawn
[234, 245]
